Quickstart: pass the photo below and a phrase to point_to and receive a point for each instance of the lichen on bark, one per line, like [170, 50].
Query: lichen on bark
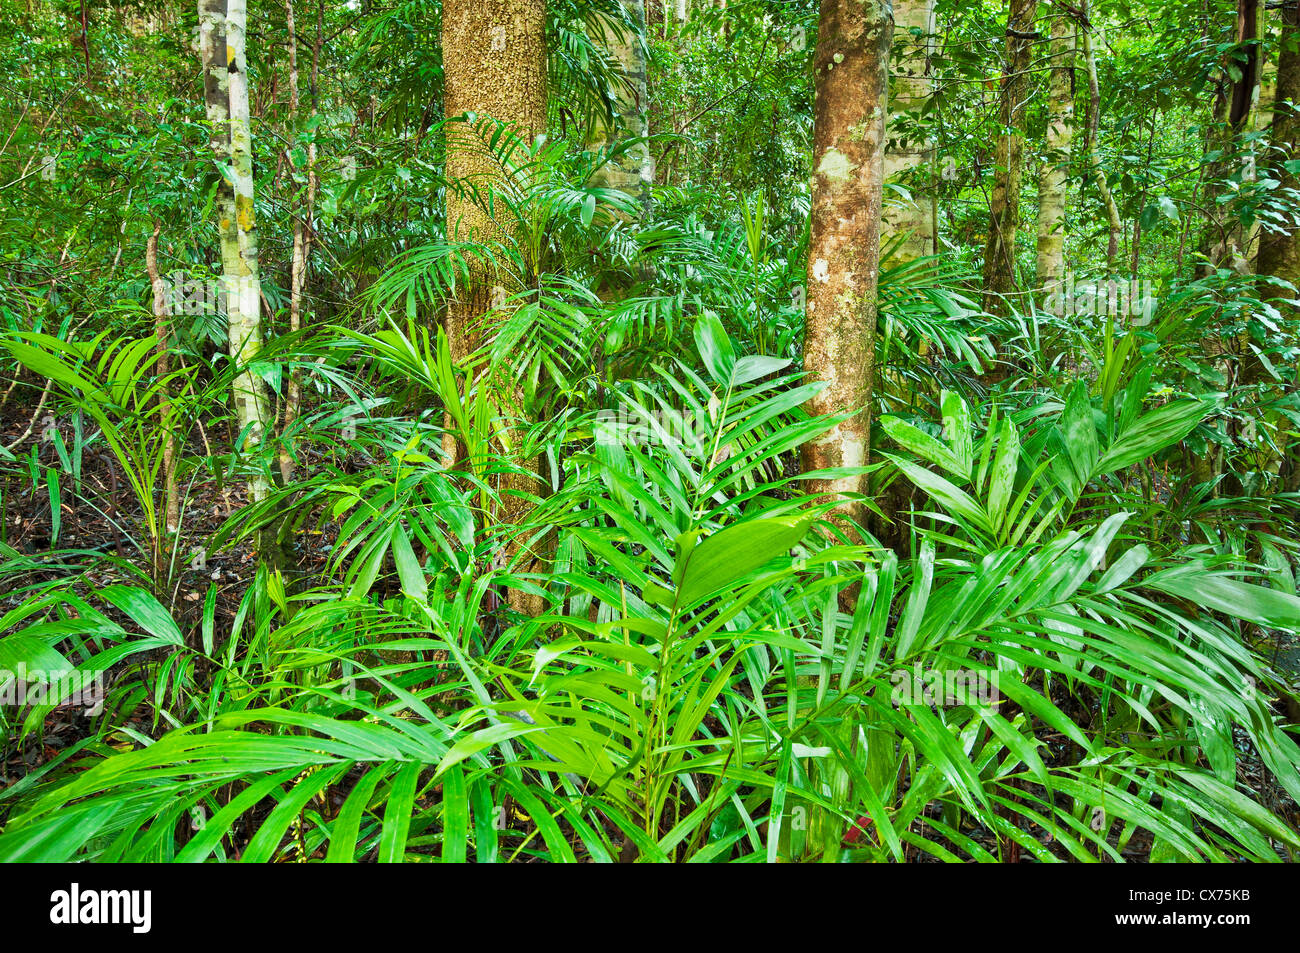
[851, 70]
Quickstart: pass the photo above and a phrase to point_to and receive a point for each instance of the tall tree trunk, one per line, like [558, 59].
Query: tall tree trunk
[1004, 205]
[851, 76]
[1245, 91]
[222, 33]
[1224, 241]
[302, 207]
[1113, 224]
[1279, 252]
[1225, 238]
[908, 150]
[633, 173]
[1053, 178]
[907, 222]
[494, 61]
[216, 95]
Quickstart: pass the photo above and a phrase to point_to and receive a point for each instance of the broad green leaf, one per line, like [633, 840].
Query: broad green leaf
[924, 446]
[1242, 600]
[1152, 432]
[145, 611]
[733, 552]
[715, 347]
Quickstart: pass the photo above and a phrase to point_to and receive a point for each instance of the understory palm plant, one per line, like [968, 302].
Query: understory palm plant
[726, 670]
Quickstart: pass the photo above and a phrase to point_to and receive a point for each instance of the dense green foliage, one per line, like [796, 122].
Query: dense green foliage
[1094, 515]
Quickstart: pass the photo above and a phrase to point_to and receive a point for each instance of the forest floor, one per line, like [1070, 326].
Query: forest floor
[108, 526]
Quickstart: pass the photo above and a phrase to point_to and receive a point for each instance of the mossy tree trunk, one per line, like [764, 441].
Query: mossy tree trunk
[908, 153]
[1114, 226]
[1004, 204]
[851, 76]
[1225, 239]
[633, 172]
[1279, 251]
[1053, 178]
[222, 47]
